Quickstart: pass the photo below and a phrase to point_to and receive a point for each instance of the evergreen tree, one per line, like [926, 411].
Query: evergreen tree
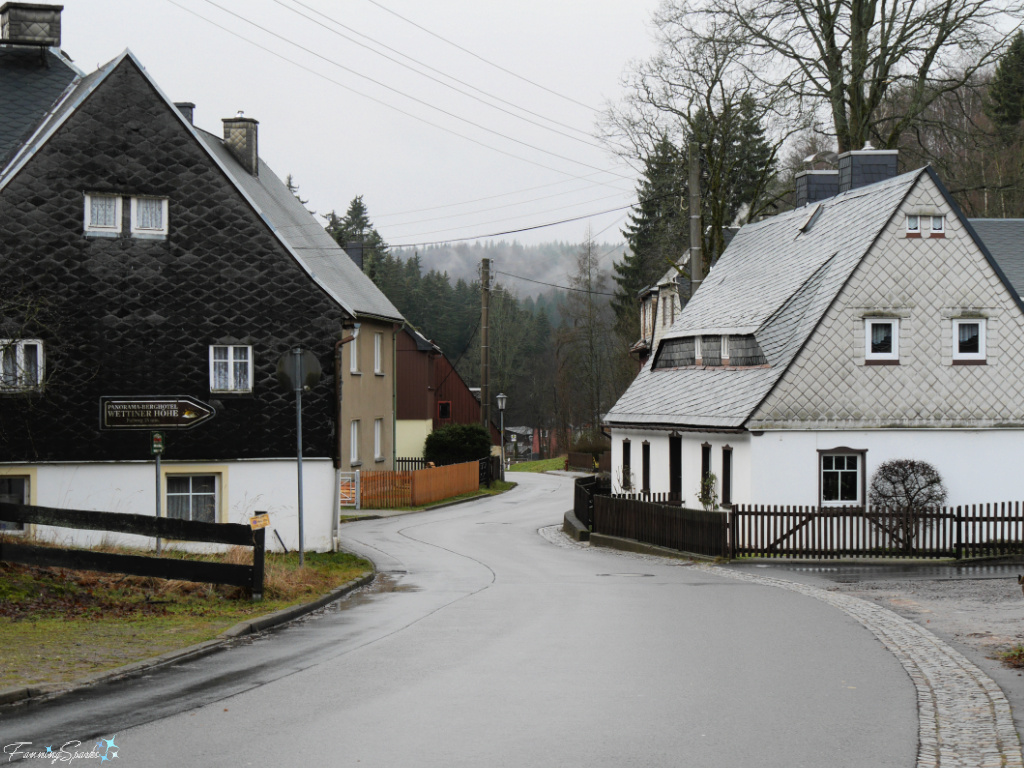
[1005, 103]
[355, 227]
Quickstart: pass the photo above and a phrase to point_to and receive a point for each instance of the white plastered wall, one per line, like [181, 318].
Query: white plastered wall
[977, 465]
[244, 488]
[692, 443]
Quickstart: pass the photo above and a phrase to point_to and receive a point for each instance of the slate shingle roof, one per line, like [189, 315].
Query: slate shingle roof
[1004, 239]
[31, 82]
[775, 280]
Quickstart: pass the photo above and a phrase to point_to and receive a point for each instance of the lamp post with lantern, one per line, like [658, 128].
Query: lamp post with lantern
[502, 400]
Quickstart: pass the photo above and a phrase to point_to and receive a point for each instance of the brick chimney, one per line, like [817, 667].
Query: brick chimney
[861, 167]
[240, 138]
[30, 24]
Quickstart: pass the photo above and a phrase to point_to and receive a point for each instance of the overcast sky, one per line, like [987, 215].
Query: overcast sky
[431, 163]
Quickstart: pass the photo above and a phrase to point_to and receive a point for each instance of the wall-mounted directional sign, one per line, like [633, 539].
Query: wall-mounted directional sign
[144, 412]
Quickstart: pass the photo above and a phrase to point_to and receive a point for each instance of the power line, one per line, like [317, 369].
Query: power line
[481, 58]
[416, 99]
[438, 71]
[374, 99]
[552, 285]
[510, 231]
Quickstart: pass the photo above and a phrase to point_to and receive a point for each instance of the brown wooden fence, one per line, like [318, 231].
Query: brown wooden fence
[687, 530]
[389, 490]
[977, 530]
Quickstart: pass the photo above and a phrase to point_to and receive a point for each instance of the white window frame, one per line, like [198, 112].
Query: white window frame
[913, 224]
[869, 323]
[378, 354]
[154, 232]
[697, 356]
[941, 229]
[14, 350]
[191, 493]
[725, 348]
[353, 352]
[103, 230]
[981, 354]
[231, 362]
[857, 501]
[353, 450]
[378, 439]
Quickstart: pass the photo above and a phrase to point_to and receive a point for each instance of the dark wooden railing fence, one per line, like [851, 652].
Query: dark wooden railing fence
[583, 500]
[977, 530]
[674, 527]
[251, 576]
[409, 464]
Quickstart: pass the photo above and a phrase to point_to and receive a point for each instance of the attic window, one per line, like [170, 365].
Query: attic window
[102, 215]
[725, 349]
[149, 217]
[938, 226]
[882, 341]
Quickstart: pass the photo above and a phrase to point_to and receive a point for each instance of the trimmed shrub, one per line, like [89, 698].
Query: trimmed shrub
[456, 444]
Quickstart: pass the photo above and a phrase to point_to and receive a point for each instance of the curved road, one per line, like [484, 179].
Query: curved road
[486, 644]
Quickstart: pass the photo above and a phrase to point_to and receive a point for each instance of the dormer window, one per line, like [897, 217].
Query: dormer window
[882, 341]
[725, 350]
[696, 350]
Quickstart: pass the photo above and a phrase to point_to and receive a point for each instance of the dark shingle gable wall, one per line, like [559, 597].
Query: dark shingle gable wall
[136, 317]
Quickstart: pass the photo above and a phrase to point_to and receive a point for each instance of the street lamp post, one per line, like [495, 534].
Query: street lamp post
[502, 399]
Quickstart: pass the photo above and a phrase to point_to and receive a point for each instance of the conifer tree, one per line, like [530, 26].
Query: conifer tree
[1005, 103]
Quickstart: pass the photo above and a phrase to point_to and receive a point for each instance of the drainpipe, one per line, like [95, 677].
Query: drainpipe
[396, 329]
[338, 433]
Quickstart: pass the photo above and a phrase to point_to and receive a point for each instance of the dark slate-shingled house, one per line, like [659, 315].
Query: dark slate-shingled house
[144, 257]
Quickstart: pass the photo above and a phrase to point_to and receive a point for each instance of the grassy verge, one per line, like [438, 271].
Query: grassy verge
[544, 465]
[58, 625]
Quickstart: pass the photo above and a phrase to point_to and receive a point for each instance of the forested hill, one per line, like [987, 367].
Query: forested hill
[544, 263]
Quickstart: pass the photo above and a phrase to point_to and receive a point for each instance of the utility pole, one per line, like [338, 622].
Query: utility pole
[696, 258]
[485, 349]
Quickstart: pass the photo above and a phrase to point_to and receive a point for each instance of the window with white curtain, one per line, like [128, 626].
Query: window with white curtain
[149, 216]
[230, 368]
[103, 215]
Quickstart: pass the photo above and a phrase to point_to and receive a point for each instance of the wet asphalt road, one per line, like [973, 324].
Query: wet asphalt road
[485, 644]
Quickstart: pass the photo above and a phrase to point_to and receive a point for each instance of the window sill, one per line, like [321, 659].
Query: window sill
[881, 362]
[379, 373]
[913, 234]
[970, 362]
[223, 392]
[149, 236]
[355, 373]
[379, 460]
[355, 464]
[99, 233]
[937, 236]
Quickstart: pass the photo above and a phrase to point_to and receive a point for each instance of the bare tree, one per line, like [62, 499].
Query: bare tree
[848, 55]
[905, 489]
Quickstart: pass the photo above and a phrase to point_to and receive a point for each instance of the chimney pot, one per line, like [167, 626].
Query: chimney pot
[30, 24]
[240, 136]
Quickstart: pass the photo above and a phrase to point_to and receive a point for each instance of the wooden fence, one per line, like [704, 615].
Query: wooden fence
[687, 530]
[389, 490]
[409, 464]
[977, 530]
[251, 576]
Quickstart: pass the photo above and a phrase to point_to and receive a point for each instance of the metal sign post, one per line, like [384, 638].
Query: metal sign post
[297, 361]
[157, 448]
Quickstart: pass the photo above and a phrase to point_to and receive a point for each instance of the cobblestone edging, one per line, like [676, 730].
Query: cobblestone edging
[964, 718]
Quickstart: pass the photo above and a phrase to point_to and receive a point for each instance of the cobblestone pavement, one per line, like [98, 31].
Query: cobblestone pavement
[964, 719]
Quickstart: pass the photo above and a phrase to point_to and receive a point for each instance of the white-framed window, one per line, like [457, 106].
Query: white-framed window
[882, 339]
[842, 479]
[192, 497]
[353, 352]
[378, 353]
[725, 348]
[13, 490]
[378, 438]
[103, 215]
[21, 364]
[230, 368]
[696, 349]
[913, 224]
[969, 339]
[938, 225]
[354, 442]
[149, 216]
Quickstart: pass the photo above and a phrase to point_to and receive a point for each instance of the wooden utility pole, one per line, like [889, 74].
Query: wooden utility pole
[485, 349]
[696, 258]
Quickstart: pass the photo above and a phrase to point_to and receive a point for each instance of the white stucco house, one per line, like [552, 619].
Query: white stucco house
[870, 325]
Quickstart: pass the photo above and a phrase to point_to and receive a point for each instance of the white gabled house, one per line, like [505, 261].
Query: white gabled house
[867, 326]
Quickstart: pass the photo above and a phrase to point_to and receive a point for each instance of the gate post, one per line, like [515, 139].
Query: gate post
[731, 532]
[259, 538]
[359, 493]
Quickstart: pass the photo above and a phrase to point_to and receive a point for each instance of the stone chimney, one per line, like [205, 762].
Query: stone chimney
[861, 167]
[815, 186]
[240, 138]
[30, 24]
[187, 108]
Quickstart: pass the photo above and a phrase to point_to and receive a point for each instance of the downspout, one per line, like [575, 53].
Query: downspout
[337, 429]
[396, 329]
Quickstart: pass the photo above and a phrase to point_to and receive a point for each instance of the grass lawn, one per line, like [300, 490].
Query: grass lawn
[544, 465]
[58, 625]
